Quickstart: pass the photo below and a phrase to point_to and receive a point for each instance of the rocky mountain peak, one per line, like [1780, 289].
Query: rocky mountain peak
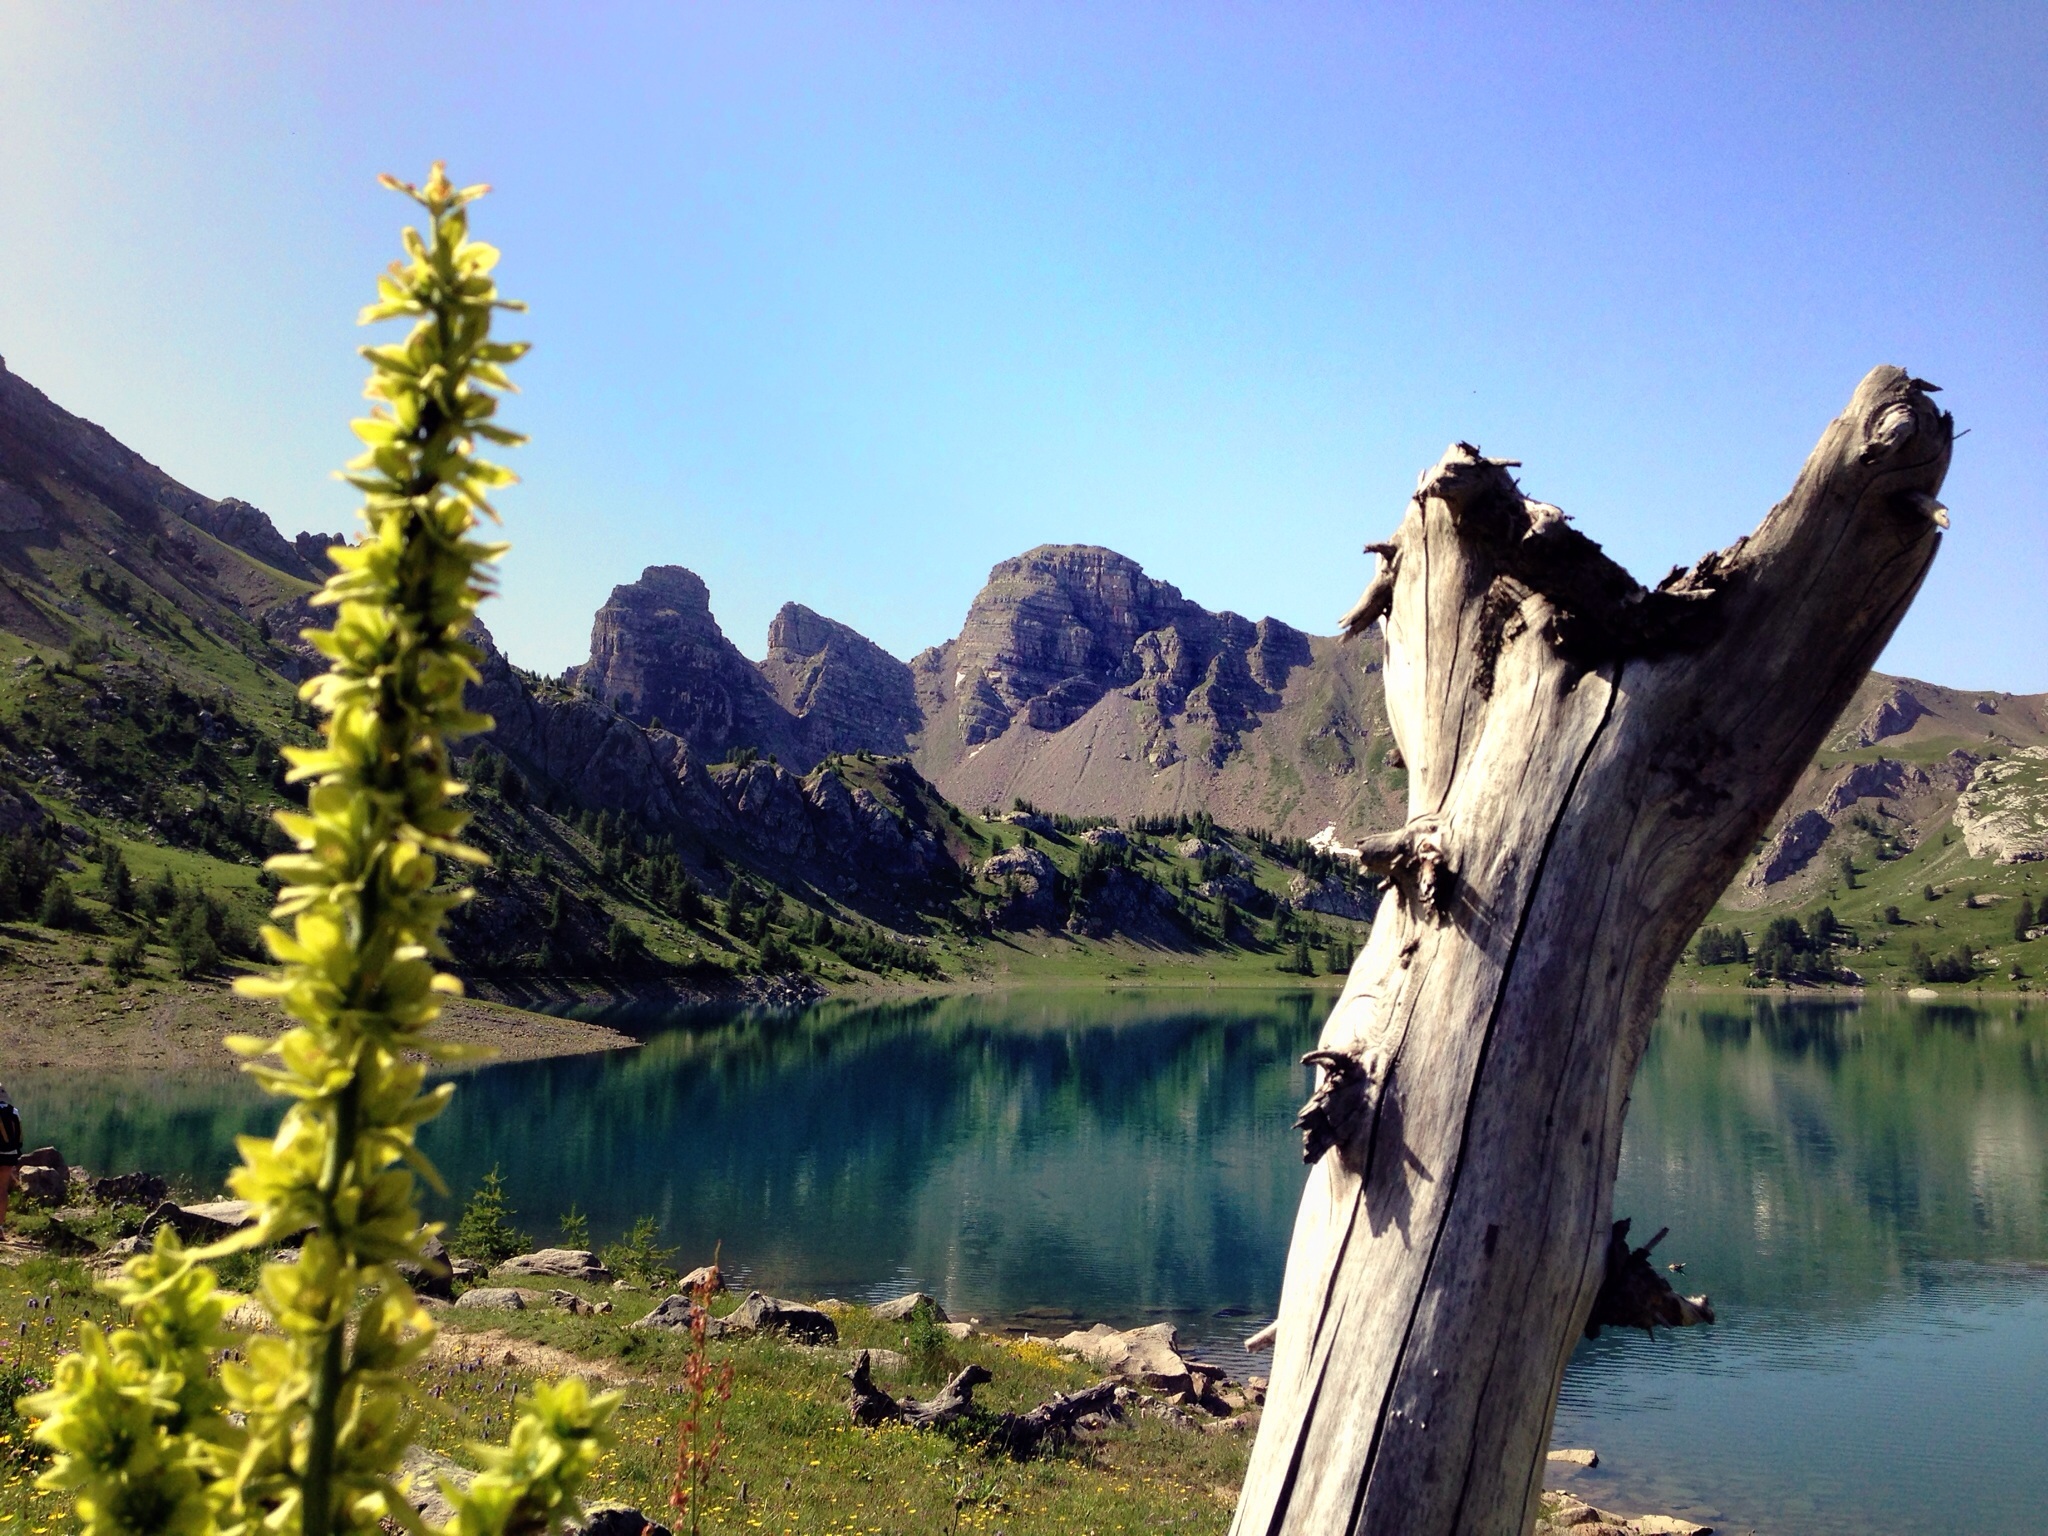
[850, 693]
[657, 653]
[1062, 625]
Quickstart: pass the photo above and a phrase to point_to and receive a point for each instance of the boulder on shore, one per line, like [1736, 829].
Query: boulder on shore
[757, 1314]
[43, 1175]
[707, 1277]
[1149, 1356]
[900, 1309]
[130, 1189]
[432, 1276]
[556, 1264]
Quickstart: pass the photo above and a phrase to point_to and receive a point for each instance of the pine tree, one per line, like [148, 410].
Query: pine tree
[2023, 919]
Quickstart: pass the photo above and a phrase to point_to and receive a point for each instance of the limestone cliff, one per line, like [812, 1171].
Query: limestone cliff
[849, 693]
[658, 654]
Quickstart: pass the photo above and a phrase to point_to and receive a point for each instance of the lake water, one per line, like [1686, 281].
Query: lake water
[1862, 1189]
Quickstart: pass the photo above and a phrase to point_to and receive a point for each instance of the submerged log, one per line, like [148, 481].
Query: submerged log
[1589, 764]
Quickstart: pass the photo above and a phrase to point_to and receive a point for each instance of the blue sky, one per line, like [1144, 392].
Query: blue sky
[843, 304]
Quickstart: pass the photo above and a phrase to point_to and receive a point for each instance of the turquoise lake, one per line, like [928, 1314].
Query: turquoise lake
[1861, 1188]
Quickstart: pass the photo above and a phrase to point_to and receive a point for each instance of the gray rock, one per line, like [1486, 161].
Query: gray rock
[900, 1309]
[1333, 898]
[1892, 715]
[671, 1312]
[43, 1176]
[130, 1189]
[757, 1314]
[2003, 815]
[205, 1223]
[493, 1298]
[1791, 850]
[767, 1314]
[420, 1471]
[1147, 1355]
[432, 1277]
[1029, 895]
[704, 1275]
[556, 1264]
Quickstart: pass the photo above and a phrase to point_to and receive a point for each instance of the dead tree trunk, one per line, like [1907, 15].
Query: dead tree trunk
[1589, 763]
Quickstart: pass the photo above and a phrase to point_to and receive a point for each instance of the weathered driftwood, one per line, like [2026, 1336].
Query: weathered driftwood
[1053, 1421]
[1021, 1435]
[1589, 763]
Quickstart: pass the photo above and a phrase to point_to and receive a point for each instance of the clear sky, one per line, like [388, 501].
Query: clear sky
[843, 304]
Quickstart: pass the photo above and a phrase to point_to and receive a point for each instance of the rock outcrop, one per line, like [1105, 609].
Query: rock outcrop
[1333, 898]
[657, 653]
[1884, 779]
[1058, 627]
[2003, 815]
[849, 694]
[1030, 887]
[1892, 715]
[1791, 850]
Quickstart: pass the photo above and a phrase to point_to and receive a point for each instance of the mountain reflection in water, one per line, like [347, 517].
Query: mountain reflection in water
[1862, 1188]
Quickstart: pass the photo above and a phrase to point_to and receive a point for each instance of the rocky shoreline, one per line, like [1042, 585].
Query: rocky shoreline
[1142, 1372]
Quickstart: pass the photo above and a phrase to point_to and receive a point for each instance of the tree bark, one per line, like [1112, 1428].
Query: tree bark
[1589, 764]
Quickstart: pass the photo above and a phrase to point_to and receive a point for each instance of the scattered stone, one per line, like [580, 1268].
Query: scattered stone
[707, 1277]
[900, 1309]
[196, 1223]
[757, 1314]
[1145, 1355]
[501, 1298]
[557, 1264]
[958, 1330]
[464, 1271]
[1576, 1458]
[130, 1189]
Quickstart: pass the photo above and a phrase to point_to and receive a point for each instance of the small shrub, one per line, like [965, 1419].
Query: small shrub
[928, 1345]
[484, 1231]
[638, 1257]
[128, 959]
[60, 909]
[575, 1229]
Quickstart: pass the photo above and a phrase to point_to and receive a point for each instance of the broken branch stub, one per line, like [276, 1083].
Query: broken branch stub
[1592, 760]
